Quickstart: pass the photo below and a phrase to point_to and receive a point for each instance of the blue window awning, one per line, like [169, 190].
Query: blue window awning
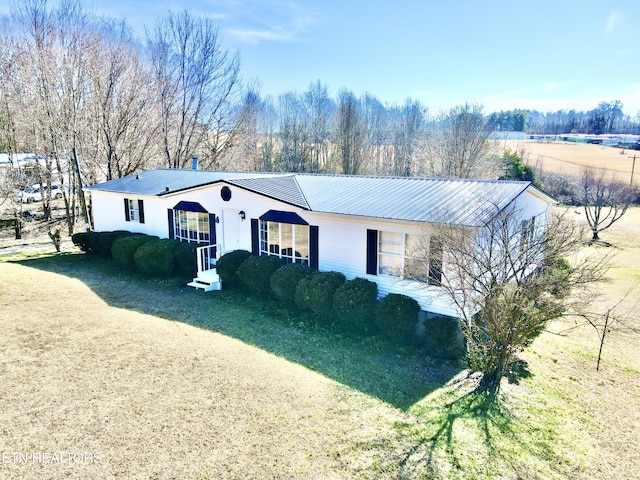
[190, 207]
[283, 217]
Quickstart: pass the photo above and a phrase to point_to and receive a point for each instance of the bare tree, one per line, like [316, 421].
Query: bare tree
[509, 278]
[604, 201]
[350, 133]
[122, 111]
[376, 119]
[458, 146]
[408, 129]
[266, 128]
[50, 71]
[320, 108]
[613, 318]
[295, 150]
[196, 84]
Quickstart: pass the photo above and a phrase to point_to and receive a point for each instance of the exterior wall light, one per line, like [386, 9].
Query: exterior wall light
[242, 215]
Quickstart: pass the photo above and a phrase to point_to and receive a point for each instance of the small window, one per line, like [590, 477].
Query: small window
[527, 232]
[134, 211]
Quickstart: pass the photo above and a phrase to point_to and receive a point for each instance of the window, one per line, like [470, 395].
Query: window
[527, 232]
[134, 210]
[410, 256]
[134, 214]
[191, 226]
[285, 240]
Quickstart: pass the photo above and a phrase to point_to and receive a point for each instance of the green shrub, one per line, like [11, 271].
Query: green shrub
[156, 258]
[354, 303]
[88, 242]
[185, 258]
[255, 272]
[105, 241]
[81, 240]
[316, 293]
[228, 264]
[443, 338]
[397, 315]
[124, 248]
[284, 281]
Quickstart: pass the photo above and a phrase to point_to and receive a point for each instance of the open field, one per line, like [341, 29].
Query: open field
[568, 158]
[149, 379]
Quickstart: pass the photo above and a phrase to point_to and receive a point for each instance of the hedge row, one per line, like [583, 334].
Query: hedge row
[150, 255]
[351, 304]
[334, 300]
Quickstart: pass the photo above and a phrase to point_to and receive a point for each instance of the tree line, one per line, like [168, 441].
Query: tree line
[606, 117]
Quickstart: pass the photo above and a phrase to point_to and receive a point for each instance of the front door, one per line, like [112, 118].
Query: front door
[231, 230]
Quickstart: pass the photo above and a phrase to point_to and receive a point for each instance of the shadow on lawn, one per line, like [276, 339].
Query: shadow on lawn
[369, 365]
[458, 416]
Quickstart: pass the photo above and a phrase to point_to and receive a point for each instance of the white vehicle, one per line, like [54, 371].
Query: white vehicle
[33, 194]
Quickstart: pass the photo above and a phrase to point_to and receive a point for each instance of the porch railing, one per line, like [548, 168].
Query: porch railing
[207, 256]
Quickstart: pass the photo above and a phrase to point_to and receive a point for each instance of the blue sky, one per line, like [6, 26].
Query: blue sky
[544, 55]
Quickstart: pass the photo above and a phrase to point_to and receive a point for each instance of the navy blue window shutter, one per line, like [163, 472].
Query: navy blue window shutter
[170, 221]
[212, 229]
[141, 210]
[372, 252]
[126, 210]
[255, 237]
[313, 246]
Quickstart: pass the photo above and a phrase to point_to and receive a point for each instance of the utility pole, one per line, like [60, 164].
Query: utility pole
[633, 167]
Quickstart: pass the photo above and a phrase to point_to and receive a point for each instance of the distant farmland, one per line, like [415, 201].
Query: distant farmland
[567, 158]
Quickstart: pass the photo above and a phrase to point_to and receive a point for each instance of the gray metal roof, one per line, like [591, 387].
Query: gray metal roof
[284, 188]
[431, 200]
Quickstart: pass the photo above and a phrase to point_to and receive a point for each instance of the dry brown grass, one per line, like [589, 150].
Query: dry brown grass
[568, 158]
[607, 402]
[160, 399]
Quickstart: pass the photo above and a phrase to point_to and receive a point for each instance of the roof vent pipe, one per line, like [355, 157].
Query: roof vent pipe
[194, 163]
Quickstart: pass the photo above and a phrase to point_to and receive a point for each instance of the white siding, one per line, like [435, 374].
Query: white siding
[342, 239]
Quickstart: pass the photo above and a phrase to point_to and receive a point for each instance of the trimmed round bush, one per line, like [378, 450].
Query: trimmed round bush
[156, 258]
[397, 315]
[88, 242]
[124, 248]
[355, 305]
[284, 281]
[80, 240]
[255, 273]
[228, 264]
[443, 337]
[316, 293]
[106, 241]
[185, 258]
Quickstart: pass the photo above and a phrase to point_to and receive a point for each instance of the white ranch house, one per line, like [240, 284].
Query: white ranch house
[361, 226]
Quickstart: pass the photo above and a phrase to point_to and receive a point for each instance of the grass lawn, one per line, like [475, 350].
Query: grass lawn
[151, 379]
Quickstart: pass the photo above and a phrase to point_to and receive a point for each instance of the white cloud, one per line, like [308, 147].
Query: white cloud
[253, 36]
[270, 20]
[551, 85]
[614, 21]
